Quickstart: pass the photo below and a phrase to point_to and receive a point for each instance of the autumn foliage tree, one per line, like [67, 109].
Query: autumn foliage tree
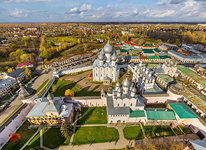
[66, 130]
[69, 93]
[10, 70]
[15, 137]
[28, 71]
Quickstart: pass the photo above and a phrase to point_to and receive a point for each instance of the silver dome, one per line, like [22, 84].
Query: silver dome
[134, 90]
[126, 83]
[117, 84]
[114, 57]
[119, 90]
[108, 48]
[100, 57]
[50, 97]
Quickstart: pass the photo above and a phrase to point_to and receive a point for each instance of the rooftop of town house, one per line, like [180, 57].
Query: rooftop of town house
[160, 114]
[192, 75]
[183, 111]
[165, 78]
[148, 50]
[196, 100]
[137, 113]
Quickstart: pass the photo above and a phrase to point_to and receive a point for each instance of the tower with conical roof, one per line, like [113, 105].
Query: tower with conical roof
[26, 94]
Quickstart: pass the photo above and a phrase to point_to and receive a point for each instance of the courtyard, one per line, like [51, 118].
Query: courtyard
[93, 115]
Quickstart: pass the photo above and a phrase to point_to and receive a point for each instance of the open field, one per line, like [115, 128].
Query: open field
[88, 135]
[153, 131]
[93, 115]
[52, 138]
[133, 132]
[63, 85]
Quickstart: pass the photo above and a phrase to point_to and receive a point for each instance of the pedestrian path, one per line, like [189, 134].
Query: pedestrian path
[143, 131]
[74, 128]
[91, 125]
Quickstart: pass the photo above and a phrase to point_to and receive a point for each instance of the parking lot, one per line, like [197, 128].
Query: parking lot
[77, 63]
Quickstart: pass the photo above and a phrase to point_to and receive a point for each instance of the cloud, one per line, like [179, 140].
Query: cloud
[161, 3]
[76, 10]
[181, 1]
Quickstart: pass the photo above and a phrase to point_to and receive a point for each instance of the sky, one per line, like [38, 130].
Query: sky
[102, 10]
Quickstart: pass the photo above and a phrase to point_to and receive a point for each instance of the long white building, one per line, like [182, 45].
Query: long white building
[105, 65]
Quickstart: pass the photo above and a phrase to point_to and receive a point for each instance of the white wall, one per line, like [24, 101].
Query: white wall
[91, 102]
[73, 70]
[13, 126]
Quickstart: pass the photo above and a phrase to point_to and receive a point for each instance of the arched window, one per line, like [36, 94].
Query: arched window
[131, 104]
[124, 104]
[96, 74]
[118, 104]
[101, 75]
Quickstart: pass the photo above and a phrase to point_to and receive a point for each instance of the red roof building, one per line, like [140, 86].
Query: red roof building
[27, 64]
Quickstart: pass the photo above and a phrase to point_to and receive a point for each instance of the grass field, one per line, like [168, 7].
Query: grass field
[57, 40]
[35, 142]
[150, 131]
[41, 86]
[186, 130]
[177, 131]
[52, 138]
[25, 136]
[63, 85]
[93, 115]
[133, 132]
[88, 135]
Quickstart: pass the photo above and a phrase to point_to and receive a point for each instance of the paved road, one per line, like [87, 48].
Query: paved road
[4, 114]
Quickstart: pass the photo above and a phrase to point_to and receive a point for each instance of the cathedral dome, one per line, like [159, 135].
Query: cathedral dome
[108, 48]
[100, 57]
[117, 84]
[119, 90]
[126, 83]
[134, 90]
[114, 57]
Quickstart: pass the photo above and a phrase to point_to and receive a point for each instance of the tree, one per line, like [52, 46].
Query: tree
[26, 44]
[28, 71]
[82, 40]
[15, 137]
[45, 54]
[69, 93]
[66, 130]
[10, 70]
[168, 41]
[177, 42]
[15, 86]
[27, 78]
[85, 47]
[79, 41]
[54, 88]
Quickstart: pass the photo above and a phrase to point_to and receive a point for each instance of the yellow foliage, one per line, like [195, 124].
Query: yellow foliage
[69, 93]
[10, 70]
[79, 41]
[28, 71]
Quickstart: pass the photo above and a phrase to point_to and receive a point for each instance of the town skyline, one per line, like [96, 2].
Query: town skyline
[107, 11]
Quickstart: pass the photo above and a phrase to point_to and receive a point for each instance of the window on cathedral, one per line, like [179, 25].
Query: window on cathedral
[101, 75]
[118, 104]
[131, 104]
[124, 104]
[96, 74]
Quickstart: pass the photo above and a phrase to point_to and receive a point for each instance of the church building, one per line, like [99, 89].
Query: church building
[105, 66]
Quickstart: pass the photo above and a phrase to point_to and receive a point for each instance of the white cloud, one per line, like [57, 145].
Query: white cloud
[19, 13]
[76, 10]
[161, 3]
[85, 7]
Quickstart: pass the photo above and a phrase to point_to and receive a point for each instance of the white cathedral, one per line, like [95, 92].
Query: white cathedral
[105, 66]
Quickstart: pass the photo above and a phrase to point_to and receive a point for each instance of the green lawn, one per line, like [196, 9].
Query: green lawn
[88, 135]
[186, 130]
[93, 115]
[150, 131]
[43, 84]
[133, 132]
[52, 138]
[42, 91]
[25, 136]
[35, 142]
[63, 85]
[177, 131]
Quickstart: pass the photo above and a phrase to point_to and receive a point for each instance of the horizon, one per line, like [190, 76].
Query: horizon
[107, 11]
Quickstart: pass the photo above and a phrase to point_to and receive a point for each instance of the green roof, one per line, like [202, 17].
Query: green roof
[183, 111]
[137, 113]
[157, 50]
[165, 78]
[160, 114]
[147, 50]
[152, 57]
[123, 50]
[148, 44]
[192, 75]
[164, 57]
